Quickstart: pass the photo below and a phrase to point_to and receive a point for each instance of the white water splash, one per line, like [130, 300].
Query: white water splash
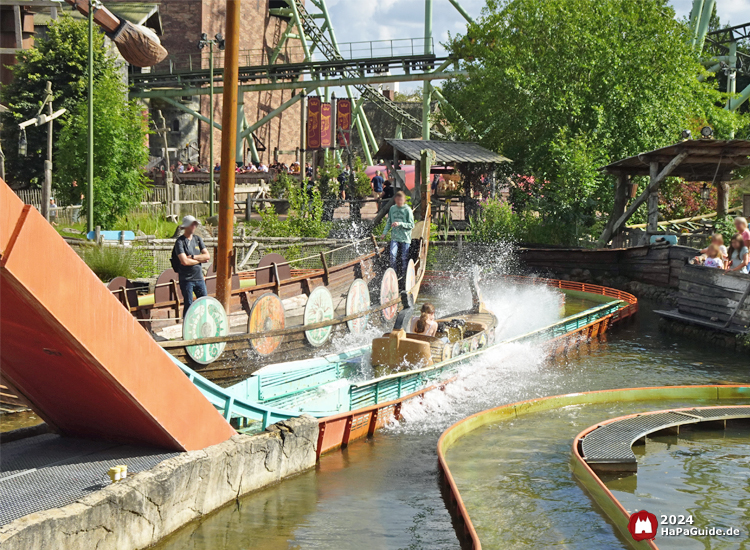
[507, 373]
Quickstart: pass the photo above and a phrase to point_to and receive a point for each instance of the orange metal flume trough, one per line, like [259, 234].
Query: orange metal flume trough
[80, 358]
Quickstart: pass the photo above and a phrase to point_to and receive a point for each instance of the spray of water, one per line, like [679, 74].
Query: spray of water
[506, 373]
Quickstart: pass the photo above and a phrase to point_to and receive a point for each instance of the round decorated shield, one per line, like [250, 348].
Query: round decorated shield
[474, 344]
[491, 337]
[206, 318]
[357, 300]
[319, 307]
[482, 340]
[388, 293]
[266, 315]
[411, 276]
[447, 352]
[456, 349]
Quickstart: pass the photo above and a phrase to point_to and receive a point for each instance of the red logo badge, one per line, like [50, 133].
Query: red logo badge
[643, 525]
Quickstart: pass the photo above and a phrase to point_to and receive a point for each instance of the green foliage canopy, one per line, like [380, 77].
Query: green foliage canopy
[564, 87]
[60, 57]
[120, 152]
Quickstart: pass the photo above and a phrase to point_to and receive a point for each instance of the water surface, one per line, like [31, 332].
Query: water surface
[384, 493]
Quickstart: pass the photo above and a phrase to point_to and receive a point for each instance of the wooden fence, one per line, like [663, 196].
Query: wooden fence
[658, 265]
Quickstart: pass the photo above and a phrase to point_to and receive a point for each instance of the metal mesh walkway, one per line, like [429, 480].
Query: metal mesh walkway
[50, 471]
[609, 445]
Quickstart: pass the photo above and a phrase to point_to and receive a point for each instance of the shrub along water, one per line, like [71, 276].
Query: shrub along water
[108, 262]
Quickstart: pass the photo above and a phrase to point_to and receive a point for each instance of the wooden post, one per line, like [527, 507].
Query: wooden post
[746, 205]
[620, 203]
[425, 164]
[228, 154]
[653, 199]
[722, 199]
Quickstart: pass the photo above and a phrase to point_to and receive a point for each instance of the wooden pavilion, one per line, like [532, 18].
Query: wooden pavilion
[702, 160]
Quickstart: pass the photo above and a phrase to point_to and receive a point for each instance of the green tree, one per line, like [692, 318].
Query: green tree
[61, 58]
[120, 131]
[563, 87]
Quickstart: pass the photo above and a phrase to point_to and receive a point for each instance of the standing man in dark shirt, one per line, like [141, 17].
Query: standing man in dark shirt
[188, 254]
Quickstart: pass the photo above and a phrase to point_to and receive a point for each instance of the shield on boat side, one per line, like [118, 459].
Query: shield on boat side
[319, 307]
[266, 315]
[388, 293]
[206, 318]
[411, 276]
[357, 301]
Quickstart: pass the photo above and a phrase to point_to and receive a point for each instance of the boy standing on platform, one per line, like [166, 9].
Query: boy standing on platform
[400, 223]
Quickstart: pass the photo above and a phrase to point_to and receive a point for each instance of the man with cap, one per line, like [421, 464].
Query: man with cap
[188, 254]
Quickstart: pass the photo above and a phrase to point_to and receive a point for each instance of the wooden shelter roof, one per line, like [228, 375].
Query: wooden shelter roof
[706, 160]
[445, 151]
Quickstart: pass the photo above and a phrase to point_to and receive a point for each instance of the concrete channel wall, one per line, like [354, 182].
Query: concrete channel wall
[138, 512]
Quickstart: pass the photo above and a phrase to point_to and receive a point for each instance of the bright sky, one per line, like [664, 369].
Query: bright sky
[364, 20]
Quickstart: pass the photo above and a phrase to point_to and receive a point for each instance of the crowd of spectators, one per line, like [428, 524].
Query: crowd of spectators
[736, 258]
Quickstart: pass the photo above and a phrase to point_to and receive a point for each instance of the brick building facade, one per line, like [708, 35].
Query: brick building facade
[183, 21]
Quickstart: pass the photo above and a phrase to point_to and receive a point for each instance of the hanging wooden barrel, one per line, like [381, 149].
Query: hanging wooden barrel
[267, 314]
[206, 318]
[357, 300]
[319, 307]
[388, 293]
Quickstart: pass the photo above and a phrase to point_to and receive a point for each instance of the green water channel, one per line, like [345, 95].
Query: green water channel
[384, 493]
[697, 480]
[515, 480]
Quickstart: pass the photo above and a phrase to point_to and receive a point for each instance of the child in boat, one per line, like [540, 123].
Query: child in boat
[718, 240]
[713, 257]
[741, 224]
[738, 255]
[425, 323]
[400, 223]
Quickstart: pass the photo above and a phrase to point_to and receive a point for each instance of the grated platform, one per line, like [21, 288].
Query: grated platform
[49, 471]
[609, 445]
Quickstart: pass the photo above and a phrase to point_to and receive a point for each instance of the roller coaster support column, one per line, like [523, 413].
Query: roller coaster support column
[702, 29]
[462, 11]
[732, 77]
[228, 140]
[695, 16]
[427, 88]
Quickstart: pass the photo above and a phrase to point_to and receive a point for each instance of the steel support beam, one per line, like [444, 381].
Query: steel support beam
[273, 114]
[190, 111]
[295, 85]
[426, 87]
[462, 11]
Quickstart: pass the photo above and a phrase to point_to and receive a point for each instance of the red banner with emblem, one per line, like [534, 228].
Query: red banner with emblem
[326, 126]
[313, 123]
[344, 122]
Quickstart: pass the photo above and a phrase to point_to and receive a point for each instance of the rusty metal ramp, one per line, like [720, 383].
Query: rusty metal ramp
[78, 356]
[608, 448]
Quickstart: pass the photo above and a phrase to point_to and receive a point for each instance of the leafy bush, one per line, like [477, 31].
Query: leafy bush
[328, 185]
[305, 217]
[108, 262]
[362, 186]
[725, 226]
[150, 224]
[280, 184]
[496, 222]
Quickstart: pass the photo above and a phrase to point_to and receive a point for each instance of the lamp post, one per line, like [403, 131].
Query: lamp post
[218, 40]
[93, 6]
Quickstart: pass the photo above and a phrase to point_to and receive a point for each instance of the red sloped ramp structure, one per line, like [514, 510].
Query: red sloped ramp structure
[72, 350]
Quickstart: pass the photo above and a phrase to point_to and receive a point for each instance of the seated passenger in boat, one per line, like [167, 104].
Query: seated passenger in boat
[713, 257]
[425, 324]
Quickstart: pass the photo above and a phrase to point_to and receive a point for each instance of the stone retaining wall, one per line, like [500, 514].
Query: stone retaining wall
[143, 509]
[715, 338]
